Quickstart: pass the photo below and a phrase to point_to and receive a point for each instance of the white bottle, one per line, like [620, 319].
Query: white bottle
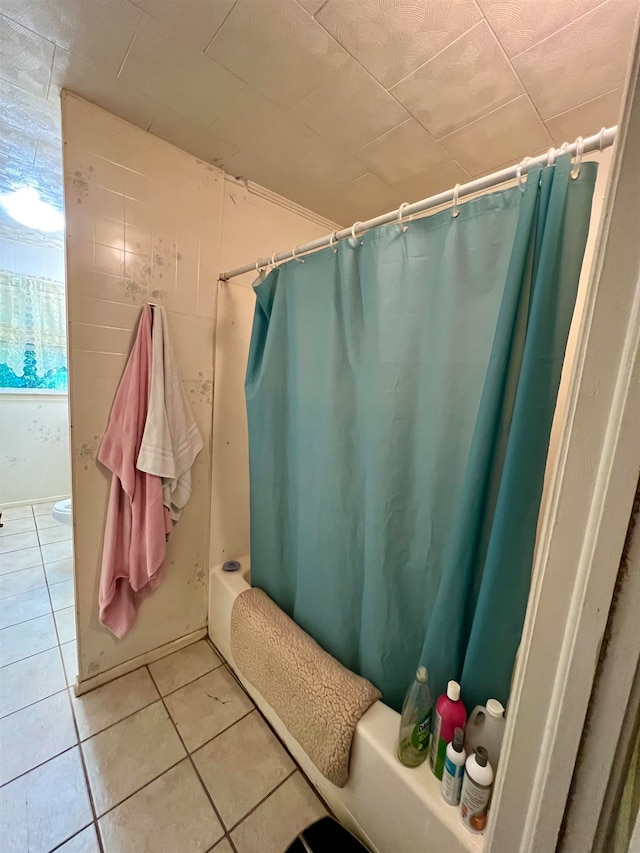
[453, 772]
[486, 726]
[476, 791]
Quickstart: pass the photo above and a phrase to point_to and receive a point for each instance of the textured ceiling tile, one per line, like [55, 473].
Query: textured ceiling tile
[351, 109]
[391, 38]
[98, 31]
[17, 143]
[438, 180]
[29, 112]
[75, 74]
[276, 46]
[466, 80]
[195, 20]
[166, 69]
[49, 156]
[369, 196]
[519, 24]
[196, 139]
[586, 119]
[325, 166]
[312, 6]
[508, 134]
[403, 153]
[584, 60]
[257, 124]
[25, 57]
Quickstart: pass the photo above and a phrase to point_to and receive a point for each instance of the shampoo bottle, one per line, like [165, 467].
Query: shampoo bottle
[476, 791]
[415, 723]
[449, 714]
[455, 758]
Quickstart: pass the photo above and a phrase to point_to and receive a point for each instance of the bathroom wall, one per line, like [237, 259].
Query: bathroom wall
[143, 224]
[149, 222]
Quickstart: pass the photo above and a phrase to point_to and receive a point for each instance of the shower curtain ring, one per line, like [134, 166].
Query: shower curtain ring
[522, 165]
[579, 151]
[454, 210]
[273, 261]
[603, 130]
[403, 225]
[353, 232]
[551, 156]
[258, 265]
[293, 252]
[333, 238]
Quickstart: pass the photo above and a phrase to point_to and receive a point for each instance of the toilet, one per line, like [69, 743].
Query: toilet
[62, 512]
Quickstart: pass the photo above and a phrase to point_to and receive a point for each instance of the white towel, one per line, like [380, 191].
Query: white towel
[171, 439]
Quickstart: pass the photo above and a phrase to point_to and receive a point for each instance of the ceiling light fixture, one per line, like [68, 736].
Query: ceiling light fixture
[27, 208]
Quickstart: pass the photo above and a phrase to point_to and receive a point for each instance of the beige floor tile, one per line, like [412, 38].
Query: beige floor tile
[10, 513]
[183, 666]
[108, 704]
[223, 847]
[27, 638]
[60, 533]
[241, 766]
[66, 624]
[43, 508]
[15, 561]
[46, 806]
[277, 821]
[202, 709]
[62, 595]
[23, 580]
[84, 842]
[60, 570]
[129, 755]
[18, 541]
[30, 680]
[172, 813]
[18, 525]
[57, 551]
[70, 661]
[45, 521]
[34, 735]
[26, 605]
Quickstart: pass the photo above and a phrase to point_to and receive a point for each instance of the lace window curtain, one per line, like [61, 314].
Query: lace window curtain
[33, 350]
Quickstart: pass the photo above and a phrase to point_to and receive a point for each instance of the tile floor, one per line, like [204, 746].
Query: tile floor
[170, 758]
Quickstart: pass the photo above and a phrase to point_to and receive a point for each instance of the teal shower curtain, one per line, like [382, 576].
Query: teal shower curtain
[400, 394]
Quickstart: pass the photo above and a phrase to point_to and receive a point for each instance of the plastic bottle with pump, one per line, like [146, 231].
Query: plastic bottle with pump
[453, 773]
[449, 714]
[415, 722]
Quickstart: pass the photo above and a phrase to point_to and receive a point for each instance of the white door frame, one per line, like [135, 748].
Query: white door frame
[583, 529]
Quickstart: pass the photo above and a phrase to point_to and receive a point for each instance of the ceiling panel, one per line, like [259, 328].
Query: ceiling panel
[195, 20]
[351, 109]
[403, 153]
[199, 140]
[277, 47]
[98, 31]
[391, 38]
[325, 166]
[507, 134]
[25, 57]
[467, 79]
[438, 180]
[587, 118]
[30, 113]
[588, 57]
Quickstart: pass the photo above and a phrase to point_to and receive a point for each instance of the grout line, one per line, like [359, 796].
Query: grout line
[41, 764]
[35, 702]
[264, 799]
[56, 645]
[75, 834]
[555, 32]
[31, 618]
[210, 42]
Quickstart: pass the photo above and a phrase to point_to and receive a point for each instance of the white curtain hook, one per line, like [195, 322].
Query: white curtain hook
[454, 210]
[333, 238]
[353, 230]
[579, 152]
[402, 224]
[273, 261]
[603, 130]
[258, 264]
[293, 252]
[551, 157]
[522, 184]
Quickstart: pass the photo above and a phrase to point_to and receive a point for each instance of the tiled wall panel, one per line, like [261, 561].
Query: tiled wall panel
[143, 224]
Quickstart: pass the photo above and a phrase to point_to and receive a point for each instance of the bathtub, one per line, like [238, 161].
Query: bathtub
[392, 808]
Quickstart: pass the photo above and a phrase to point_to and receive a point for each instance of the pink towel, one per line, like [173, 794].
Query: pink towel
[137, 522]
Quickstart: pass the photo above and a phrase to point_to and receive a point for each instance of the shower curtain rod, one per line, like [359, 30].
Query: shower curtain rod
[598, 141]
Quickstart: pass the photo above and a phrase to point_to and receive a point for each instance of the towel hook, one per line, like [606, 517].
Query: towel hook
[603, 130]
[293, 252]
[333, 238]
[579, 151]
[454, 210]
[403, 225]
[522, 165]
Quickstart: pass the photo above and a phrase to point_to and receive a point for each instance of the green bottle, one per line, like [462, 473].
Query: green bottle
[415, 722]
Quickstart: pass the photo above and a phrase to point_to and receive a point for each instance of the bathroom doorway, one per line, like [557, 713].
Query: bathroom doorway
[37, 612]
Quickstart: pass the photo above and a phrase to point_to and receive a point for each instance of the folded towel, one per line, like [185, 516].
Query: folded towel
[318, 699]
[137, 522]
[171, 439]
